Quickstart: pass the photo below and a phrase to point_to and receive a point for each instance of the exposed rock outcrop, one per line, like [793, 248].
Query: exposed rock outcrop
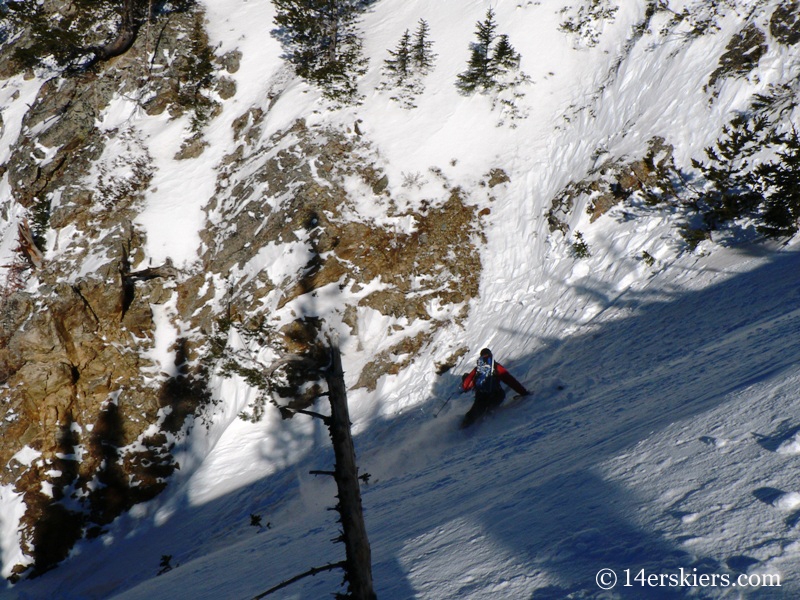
[89, 409]
[101, 351]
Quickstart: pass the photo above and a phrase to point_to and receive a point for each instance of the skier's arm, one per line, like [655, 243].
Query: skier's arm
[509, 380]
[468, 382]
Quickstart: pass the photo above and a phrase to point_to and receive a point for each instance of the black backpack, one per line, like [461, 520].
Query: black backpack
[486, 379]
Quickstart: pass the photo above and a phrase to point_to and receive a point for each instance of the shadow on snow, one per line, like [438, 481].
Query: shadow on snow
[527, 482]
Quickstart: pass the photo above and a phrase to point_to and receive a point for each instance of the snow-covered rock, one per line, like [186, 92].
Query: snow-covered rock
[558, 230]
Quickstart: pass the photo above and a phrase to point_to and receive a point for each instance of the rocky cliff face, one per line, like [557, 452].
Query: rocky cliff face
[90, 406]
[87, 424]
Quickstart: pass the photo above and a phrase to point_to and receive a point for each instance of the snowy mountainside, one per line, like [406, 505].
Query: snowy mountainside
[661, 423]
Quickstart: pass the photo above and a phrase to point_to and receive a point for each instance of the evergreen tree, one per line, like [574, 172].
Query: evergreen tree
[780, 181]
[421, 49]
[731, 189]
[407, 64]
[399, 66]
[504, 56]
[739, 185]
[492, 59]
[321, 42]
[481, 69]
[197, 76]
[4, 26]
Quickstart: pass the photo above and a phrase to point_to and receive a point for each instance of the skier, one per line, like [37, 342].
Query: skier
[485, 379]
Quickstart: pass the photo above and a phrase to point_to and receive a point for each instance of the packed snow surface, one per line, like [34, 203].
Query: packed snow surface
[663, 430]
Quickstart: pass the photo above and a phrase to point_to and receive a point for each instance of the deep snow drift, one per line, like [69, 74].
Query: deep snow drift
[662, 431]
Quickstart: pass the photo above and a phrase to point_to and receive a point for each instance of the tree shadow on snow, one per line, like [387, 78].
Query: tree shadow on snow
[527, 484]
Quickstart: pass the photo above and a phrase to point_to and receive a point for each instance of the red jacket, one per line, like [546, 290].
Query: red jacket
[502, 373]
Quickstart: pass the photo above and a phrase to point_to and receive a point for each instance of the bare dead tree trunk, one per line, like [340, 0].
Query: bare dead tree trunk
[358, 559]
[357, 565]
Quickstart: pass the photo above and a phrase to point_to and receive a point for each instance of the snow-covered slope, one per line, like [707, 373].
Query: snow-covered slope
[661, 433]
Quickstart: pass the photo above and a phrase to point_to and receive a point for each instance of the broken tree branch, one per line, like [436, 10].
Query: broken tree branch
[287, 412]
[331, 473]
[310, 573]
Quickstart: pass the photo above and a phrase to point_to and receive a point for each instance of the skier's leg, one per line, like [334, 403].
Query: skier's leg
[479, 407]
[496, 399]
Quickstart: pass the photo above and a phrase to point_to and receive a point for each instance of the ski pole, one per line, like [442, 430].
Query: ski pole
[450, 397]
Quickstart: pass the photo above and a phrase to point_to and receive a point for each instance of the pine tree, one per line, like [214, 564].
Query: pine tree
[421, 49]
[481, 69]
[321, 42]
[731, 190]
[767, 193]
[197, 75]
[504, 57]
[780, 181]
[492, 59]
[399, 66]
[407, 65]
